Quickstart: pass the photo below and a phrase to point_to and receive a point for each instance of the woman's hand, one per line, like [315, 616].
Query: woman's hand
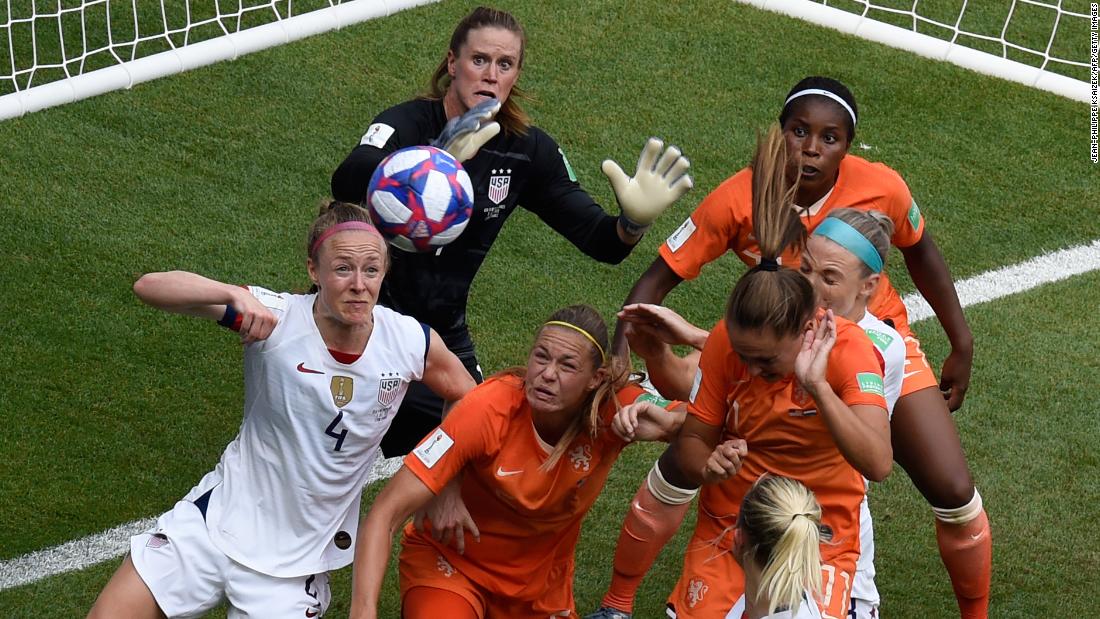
[955, 377]
[257, 322]
[449, 517]
[725, 461]
[656, 184]
[645, 421]
[813, 358]
[464, 135]
[663, 324]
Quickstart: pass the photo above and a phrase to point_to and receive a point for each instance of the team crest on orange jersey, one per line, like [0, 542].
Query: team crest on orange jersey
[799, 395]
[444, 566]
[581, 457]
[696, 590]
[342, 388]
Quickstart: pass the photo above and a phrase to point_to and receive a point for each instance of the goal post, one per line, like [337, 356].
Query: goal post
[24, 37]
[1050, 72]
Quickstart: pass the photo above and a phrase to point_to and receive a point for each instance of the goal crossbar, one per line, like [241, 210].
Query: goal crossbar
[940, 49]
[130, 71]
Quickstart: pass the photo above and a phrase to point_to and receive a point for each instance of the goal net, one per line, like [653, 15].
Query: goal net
[1040, 43]
[57, 51]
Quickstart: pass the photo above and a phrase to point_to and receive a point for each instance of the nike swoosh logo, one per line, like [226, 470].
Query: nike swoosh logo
[908, 374]
[304, 370]
[502, 473]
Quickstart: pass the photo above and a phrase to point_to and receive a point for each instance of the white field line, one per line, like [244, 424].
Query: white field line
[88, 551]
[1010, 280]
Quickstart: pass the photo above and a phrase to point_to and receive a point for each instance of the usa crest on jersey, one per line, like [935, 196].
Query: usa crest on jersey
[499, 185]
[388, 388]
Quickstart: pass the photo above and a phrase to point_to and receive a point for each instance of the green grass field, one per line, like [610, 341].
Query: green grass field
[113, 410]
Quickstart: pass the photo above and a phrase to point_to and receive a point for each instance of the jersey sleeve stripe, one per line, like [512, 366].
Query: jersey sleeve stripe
[427, 341]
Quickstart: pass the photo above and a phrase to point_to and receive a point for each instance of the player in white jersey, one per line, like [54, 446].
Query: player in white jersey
[777, 544]
[843, 258]
[839, 259]
[324, 376]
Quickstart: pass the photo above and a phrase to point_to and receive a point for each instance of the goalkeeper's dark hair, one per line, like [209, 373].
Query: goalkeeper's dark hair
[512, 117]
[334, 212]
[770, 297]
[827, 84]
[781, 531]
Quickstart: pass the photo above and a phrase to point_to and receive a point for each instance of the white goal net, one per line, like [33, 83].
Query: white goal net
[1040, 43]
[58, 51]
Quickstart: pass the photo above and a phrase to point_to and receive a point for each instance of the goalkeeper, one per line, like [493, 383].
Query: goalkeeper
[510, 163]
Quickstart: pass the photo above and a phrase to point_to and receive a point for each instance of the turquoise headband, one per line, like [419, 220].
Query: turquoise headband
[851, 239]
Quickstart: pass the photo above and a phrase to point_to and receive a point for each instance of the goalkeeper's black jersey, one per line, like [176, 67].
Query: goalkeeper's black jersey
[528, 170]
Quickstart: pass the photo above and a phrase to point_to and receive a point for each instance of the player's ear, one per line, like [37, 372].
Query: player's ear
[597, 379]
[311, 267]
[810, 324]
[869, 285]
[738, 541]
[451, 59]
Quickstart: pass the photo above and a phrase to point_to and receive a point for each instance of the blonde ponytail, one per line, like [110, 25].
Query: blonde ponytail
[781, 521]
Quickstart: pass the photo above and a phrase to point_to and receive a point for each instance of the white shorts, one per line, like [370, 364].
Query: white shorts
[189, 576]
[863, 609]
[865, 596]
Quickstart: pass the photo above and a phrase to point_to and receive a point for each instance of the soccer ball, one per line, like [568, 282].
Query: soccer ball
[420, 198]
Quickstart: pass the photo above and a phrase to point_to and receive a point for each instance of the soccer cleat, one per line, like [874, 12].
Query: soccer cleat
[609, 613]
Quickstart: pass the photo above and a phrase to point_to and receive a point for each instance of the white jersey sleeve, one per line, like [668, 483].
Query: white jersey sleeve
[891, 346]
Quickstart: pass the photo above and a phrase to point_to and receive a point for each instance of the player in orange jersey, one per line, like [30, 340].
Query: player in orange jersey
[818, 121]
[783, 389]
[533, 448]
[843, 260]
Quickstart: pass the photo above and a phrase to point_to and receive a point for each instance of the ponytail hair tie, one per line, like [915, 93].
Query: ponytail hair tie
[769, 264]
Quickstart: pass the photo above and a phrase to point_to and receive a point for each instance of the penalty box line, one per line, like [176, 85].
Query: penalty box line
[988, 286]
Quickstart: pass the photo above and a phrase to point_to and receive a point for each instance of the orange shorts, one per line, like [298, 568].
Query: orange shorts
[421, 565]
[918, 374]
[889, 307]
[712, 581]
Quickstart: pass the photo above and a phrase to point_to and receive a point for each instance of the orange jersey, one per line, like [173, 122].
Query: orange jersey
[529, 518]
[785, 434]
[723, 222]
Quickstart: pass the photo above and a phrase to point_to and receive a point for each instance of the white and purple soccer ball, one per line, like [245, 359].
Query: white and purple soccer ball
[420, 198]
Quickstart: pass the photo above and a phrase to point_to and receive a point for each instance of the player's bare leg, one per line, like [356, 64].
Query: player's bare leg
[926, 444]
[126, 595]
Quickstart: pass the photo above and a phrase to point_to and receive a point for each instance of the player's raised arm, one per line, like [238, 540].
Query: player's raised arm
[660, 179]
[187, 293]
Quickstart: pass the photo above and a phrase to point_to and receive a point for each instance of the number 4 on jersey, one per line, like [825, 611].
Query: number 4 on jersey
[331, 431]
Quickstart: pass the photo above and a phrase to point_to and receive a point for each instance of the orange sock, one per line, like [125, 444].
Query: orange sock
[647, 528]
[967, 553]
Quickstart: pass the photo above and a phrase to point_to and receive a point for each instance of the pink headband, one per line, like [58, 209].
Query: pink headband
[347, 225]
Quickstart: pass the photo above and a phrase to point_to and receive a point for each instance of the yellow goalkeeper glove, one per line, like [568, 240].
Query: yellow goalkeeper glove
[657, 183]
